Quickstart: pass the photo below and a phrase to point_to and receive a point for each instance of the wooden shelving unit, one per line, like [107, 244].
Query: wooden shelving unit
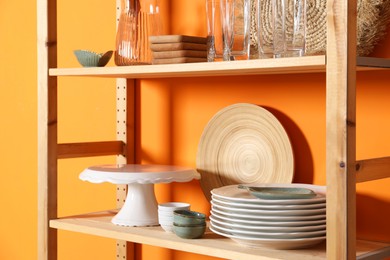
[343, 171]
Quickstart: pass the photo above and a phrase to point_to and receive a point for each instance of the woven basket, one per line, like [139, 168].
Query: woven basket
[373, 19]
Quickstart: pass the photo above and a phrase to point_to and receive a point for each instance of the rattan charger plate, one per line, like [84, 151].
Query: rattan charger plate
[243, 143]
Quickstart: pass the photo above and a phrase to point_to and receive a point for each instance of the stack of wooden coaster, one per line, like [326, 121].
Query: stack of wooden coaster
[169, 49]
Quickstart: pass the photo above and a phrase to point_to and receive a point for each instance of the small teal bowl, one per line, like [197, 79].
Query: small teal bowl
[188, 217]
[189, 232]
[92, 59]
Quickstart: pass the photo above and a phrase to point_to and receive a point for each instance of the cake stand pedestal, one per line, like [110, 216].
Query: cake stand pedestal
[140, 207]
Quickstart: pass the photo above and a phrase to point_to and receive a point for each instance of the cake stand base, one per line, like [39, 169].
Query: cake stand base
[140, 207]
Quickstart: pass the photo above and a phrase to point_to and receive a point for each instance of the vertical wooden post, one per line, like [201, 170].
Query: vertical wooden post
[47, 128]
[125, 105]
[340, 129]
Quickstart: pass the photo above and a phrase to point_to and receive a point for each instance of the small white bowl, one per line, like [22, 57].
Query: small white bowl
[167, 228]
[165, 213]
[172, 206]
[165, 216]
[166, 223]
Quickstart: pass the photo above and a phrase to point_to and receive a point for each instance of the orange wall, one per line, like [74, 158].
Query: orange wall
[18, 133]
[174, 112]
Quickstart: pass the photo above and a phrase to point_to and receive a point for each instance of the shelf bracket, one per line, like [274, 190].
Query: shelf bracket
[89, 149]
[375, 255]
[372, 169]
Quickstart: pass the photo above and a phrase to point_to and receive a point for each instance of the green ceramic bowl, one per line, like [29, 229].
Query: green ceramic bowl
[188, 217]
[189, 232]
[92, 59]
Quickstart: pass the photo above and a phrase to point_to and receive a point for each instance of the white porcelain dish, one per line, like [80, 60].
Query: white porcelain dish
[256, 222]
[234, 194]
[227, 203]
[267, 234]
[268, 217]
[298, 212]
[265, 228]
[282, 244]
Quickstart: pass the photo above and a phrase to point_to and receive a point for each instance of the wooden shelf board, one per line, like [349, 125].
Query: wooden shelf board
[308, 64]
[265, 66]
[99, 224]
[373, 62]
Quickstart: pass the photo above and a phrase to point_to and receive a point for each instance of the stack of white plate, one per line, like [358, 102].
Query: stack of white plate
[275, 223]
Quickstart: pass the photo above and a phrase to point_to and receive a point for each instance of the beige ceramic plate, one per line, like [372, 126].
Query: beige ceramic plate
[244, 143]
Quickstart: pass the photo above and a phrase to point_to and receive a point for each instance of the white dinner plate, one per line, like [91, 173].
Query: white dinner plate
[268, 217]
[256, 222]
[227, 203]
[265, 227]
[234, 194]
[271, 243]
[298, 212]
[267, 234]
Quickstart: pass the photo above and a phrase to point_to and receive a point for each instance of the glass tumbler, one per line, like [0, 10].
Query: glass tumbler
[138, 20]
[235, 29]
[281, 28]
[214, 30]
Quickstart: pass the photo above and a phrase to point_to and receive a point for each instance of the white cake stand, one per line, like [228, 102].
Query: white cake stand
[140, 207]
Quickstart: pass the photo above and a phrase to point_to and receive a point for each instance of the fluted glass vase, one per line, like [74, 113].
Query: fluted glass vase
[138, 20]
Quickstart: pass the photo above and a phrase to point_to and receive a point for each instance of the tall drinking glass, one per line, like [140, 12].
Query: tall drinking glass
[290, 28]
[281, 28]
[235, 29]
[214, 30]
